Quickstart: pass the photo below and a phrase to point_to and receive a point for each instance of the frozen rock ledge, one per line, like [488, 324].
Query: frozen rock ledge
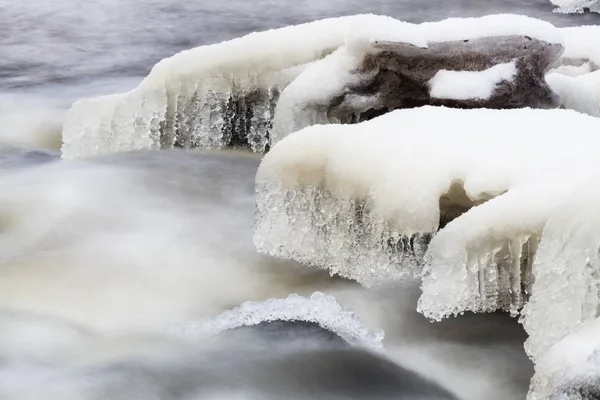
[254, 90]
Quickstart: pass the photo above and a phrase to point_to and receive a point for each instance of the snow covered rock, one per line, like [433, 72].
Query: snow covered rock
[334, 70]
[377, 191]
[488, 72]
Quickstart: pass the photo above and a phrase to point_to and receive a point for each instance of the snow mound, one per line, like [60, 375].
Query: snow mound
[318, 308]
[228, 93]
[576, 6]
[465, 85]
[376, 192]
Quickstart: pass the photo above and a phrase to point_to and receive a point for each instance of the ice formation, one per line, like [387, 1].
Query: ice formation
[332, 70]
[363, 200]
[576, 75]
[576, 6]
[562, 316]
[582, 48]
[575, 93]
[318, 308]
[570, 370]
[493, 209]
[190, 99]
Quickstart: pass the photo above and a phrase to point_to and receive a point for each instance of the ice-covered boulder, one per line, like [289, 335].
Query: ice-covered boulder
[333, 70]
[487, 72]
[364, 200]
[492, 209]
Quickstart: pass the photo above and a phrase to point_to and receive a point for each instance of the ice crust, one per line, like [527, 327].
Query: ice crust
[227, 93]
[363, 200]
[318, 308]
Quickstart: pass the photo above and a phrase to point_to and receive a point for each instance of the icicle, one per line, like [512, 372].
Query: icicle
[515, 248]
[345, 236]
[259, 125]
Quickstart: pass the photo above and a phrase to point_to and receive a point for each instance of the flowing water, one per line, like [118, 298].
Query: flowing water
[99, 256]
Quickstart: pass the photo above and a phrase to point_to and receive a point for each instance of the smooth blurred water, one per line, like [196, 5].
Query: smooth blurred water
[124, 245]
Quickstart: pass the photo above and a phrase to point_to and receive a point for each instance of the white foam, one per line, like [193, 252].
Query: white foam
[318, 308]
[466, 85]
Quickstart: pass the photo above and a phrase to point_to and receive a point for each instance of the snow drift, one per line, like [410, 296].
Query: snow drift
[333, 70]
